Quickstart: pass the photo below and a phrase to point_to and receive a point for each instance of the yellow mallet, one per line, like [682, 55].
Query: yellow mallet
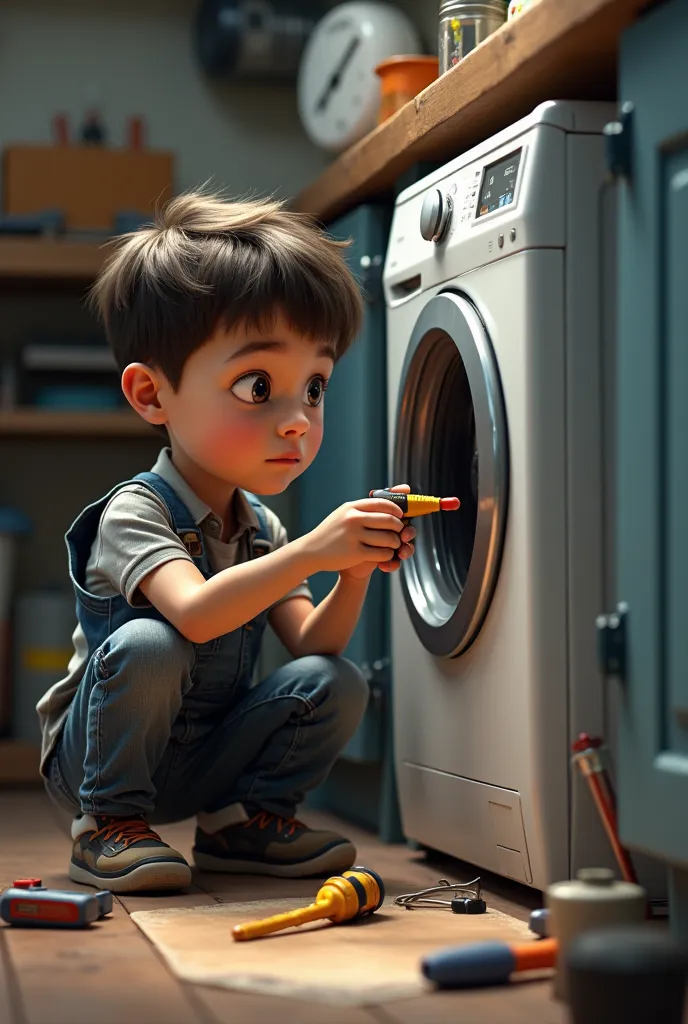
[356, 893]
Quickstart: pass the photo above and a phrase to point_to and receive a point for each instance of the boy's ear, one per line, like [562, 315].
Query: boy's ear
[141, 385]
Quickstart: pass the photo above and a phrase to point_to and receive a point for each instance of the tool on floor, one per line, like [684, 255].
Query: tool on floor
[586, 755]
[469, 902]
[539, 922]
[487, 963]
[594, 899]
[29, 903]
[353, 894]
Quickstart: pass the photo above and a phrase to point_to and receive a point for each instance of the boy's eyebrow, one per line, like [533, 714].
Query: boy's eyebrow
[265, 345]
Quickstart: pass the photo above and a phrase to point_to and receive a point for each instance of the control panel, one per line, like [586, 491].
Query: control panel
[499, 184]
[476, 192]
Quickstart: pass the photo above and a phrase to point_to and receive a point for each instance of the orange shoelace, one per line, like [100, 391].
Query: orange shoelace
[263, 820]
[127, 831]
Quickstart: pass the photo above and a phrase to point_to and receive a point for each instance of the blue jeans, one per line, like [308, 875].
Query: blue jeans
[146, 735]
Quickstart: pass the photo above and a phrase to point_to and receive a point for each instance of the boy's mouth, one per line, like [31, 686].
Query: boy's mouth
[287, 458]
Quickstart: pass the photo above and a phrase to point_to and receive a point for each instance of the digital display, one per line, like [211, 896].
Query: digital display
[499, 184]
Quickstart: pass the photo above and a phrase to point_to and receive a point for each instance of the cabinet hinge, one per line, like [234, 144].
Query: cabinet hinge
[377, 677]
[611, 641]
[619, 141]
[370, 276]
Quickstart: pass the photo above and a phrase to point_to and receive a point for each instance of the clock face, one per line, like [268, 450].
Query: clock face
[338, 90]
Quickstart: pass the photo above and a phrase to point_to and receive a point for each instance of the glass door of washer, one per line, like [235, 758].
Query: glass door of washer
[451, 440]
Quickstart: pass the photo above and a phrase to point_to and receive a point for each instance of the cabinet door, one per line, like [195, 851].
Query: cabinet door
[653, 436]
[352, 460]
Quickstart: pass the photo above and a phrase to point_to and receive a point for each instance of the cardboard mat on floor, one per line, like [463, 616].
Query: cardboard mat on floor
[356, 964]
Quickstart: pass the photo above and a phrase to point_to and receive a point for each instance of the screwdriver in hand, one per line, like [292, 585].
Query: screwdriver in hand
[416, 505]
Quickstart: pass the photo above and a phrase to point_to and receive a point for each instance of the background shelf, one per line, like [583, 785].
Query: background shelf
[51, 259]
[31, 422]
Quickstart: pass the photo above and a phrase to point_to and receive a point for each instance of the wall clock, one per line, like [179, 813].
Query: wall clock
[338, 90]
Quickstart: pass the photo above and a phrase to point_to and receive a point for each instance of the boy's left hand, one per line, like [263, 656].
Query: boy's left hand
[366, 569]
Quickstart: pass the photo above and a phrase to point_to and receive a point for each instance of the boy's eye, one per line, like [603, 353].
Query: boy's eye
[253, 388]
[316, 390]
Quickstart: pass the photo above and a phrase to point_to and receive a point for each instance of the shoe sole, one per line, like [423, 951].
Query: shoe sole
[339, 858]
[144, 878]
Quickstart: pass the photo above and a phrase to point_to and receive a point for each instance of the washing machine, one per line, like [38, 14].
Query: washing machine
[499, 282]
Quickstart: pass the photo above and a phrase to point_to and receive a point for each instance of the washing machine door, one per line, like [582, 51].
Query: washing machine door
[451, 440]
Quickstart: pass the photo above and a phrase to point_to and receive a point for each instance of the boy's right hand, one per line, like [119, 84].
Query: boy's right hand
[366, 530]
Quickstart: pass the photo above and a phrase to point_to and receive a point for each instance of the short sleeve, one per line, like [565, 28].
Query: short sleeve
[134, 537]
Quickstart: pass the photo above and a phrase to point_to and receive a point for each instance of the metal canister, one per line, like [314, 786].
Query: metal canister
[464, 24]
[595, 899]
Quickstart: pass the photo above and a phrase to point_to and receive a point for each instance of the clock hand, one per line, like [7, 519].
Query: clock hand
[337, 74]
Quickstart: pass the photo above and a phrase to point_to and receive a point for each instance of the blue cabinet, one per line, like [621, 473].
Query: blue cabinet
[650, 636]
[352, 461]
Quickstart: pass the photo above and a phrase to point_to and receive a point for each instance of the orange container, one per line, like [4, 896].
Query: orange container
[401, 79]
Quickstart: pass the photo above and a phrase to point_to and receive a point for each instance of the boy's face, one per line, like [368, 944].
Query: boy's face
[249, 408]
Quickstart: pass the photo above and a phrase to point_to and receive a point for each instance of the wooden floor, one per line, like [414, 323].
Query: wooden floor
[113, 975]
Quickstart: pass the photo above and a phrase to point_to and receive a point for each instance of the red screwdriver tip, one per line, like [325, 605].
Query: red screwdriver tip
[449, 504]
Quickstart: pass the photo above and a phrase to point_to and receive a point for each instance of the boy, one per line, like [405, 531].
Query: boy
[226, 320]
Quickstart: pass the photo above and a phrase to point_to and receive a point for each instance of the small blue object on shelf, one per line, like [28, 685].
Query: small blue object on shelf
[129, 220]
[43, 223]
[12, 520]
[81, 398]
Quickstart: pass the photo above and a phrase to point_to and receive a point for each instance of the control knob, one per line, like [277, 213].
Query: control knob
[435, 215]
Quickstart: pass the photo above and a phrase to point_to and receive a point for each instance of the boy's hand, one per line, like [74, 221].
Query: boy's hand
[357, 536]
[405, 550]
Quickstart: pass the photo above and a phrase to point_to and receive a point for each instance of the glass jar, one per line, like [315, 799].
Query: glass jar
[464, 24]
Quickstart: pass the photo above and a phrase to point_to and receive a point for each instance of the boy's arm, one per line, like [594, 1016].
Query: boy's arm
[355, 533]
[326, 629]
[204, 609]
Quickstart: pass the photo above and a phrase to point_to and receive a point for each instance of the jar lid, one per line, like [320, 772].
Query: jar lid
[595, 876]
[472, 8]
[595, 884]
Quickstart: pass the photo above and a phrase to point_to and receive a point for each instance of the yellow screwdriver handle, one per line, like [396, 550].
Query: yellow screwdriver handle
[258, 929]
[356, 893]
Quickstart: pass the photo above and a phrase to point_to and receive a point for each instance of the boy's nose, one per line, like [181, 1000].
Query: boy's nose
[295, 423]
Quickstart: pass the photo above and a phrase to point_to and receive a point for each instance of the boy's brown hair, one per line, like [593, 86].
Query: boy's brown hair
[206, 262]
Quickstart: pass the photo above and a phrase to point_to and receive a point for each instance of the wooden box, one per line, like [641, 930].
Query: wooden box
[90, 184]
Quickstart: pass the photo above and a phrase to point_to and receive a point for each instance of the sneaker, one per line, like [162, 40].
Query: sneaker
[268, 844]
[124, 855]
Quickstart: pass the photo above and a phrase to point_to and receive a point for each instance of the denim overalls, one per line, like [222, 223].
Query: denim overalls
[224, 666]
[166, 728]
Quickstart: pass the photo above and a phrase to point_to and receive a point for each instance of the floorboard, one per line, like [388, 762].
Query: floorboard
[111, 974]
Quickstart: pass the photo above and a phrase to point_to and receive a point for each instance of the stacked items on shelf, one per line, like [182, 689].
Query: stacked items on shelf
[61, 373]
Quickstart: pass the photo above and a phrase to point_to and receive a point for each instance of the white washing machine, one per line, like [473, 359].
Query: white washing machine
[499, 282]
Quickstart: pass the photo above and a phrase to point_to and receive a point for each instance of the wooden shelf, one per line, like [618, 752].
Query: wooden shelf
[48, 259]
[51, 423]
[19, 763]
[557, 49]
